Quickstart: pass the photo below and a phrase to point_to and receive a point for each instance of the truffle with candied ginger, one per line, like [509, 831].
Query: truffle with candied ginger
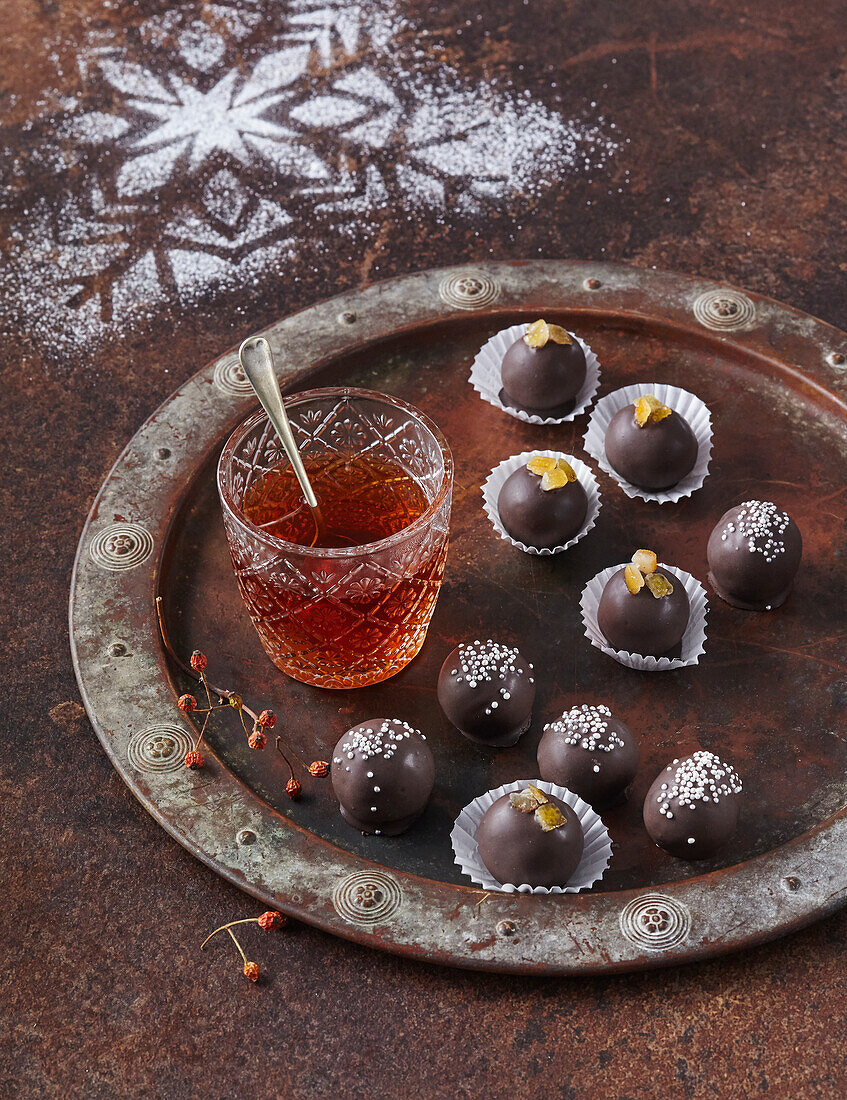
[543, 371]
[691, 810]
[644, 610]
[591, 753]
[754, 553]
[650, 445]
[487, 690]
[382, 775]
[542, 504]
[530, 838]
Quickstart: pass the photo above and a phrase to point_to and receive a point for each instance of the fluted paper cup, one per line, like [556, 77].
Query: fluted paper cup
[498, 476]
[596, 853]
[485, 376]
[693, 641]
[689, 407]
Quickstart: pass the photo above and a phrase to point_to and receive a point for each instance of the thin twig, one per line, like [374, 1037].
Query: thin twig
[238, 945]
[226, 927]
[481, 901]
[284, 757]
[202, 734]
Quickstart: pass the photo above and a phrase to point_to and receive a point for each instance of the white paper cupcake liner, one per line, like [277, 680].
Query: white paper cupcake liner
[689, 407]
[693, 641]
[596, 853]
[497, 478]
[485, 376]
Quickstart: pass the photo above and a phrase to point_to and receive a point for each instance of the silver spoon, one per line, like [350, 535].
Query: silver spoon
[257, 361]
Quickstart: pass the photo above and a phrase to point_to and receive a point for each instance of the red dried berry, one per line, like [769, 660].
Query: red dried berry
[187, 703]
[194, 759]
[319, 769]
[270, 920]
[251, 971]
[257, 740]
[198, 661]
[293, 788]
[267, 719]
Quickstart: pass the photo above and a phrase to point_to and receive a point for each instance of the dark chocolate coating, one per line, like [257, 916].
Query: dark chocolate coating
[515, 848]
[540, 379]
[382, 775]
[654, 457]
[568, 755]
[683, 831]
[757, 579]
[538, 517]
[640, 623]
[493, 711]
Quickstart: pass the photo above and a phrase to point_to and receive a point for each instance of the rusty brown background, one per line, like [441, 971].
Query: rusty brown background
[734, 113]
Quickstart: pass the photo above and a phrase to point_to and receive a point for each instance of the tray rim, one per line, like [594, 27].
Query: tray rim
[803, 879]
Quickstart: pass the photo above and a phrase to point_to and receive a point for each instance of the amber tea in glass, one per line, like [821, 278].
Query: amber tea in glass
[347, 604]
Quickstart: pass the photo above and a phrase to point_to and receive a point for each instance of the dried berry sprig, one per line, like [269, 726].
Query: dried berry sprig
[188, 705]
[268, 921]
[293, 788]
[197, 668]
[266, 719]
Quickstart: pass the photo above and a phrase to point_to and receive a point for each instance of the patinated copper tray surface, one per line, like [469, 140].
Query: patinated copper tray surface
[769, 693]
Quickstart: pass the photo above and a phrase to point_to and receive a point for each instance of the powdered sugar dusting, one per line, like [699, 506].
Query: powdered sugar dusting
[210, 146]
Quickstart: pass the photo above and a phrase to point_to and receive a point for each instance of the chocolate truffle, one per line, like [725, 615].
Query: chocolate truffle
[487, 691]
[590, 752]
[692, 808]
[382, 775]
[754, 553]
[542, 504]
[644, 610]
[650, 445]
[529, 837]
[543, 371]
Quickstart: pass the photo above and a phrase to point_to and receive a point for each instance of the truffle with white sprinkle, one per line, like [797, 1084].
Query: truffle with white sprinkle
[754, 553]
[487, 689]
[591, 753]
[691, 810]
[382, 775]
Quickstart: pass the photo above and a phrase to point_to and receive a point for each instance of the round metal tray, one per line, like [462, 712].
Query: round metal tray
[766, 694]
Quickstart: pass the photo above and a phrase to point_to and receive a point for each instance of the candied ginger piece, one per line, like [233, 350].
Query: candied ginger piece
[646, 561]
[659, 585]
[550, 817]
[648, 407]
[537, 334]
[541, 464]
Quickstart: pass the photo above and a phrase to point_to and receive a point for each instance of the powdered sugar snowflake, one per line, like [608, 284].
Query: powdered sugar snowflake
[211, 145]
[344, 25]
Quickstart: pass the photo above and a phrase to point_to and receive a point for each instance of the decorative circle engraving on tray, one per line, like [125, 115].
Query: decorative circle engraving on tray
[121, 546]
[231, 379]
[159, 748]
[655, 922]
[724, 309]
[367, 897]
[468, 290]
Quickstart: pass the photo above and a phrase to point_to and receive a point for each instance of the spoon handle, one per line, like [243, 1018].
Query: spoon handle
[258, 364]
